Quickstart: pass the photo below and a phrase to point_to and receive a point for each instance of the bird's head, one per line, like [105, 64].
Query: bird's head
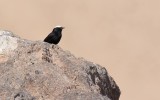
[58, 29]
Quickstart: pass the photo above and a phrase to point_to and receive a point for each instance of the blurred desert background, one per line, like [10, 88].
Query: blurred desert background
[121, 35]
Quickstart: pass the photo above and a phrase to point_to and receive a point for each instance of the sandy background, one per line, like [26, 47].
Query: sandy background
[122, 35]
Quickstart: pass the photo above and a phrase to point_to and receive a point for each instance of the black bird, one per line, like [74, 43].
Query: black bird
[55, 36]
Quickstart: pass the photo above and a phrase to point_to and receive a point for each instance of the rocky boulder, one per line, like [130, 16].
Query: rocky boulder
[34, 70]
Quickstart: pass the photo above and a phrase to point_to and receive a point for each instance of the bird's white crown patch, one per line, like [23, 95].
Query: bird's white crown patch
[58, 26]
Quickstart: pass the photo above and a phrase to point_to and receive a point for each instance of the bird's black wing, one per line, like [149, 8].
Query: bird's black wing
[49, 38]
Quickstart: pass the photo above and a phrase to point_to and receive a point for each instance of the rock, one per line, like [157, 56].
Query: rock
[34, 70]
[7, 41]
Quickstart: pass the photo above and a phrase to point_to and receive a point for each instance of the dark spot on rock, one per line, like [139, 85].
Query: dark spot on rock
[29, 52]
[19, 96]
[46, 58]
[37, 72]
[23, 96]
[46, 55]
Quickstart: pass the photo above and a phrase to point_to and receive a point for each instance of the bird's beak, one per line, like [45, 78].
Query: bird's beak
[62, 27]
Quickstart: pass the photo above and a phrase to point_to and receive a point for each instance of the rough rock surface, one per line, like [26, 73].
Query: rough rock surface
[34, 70]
